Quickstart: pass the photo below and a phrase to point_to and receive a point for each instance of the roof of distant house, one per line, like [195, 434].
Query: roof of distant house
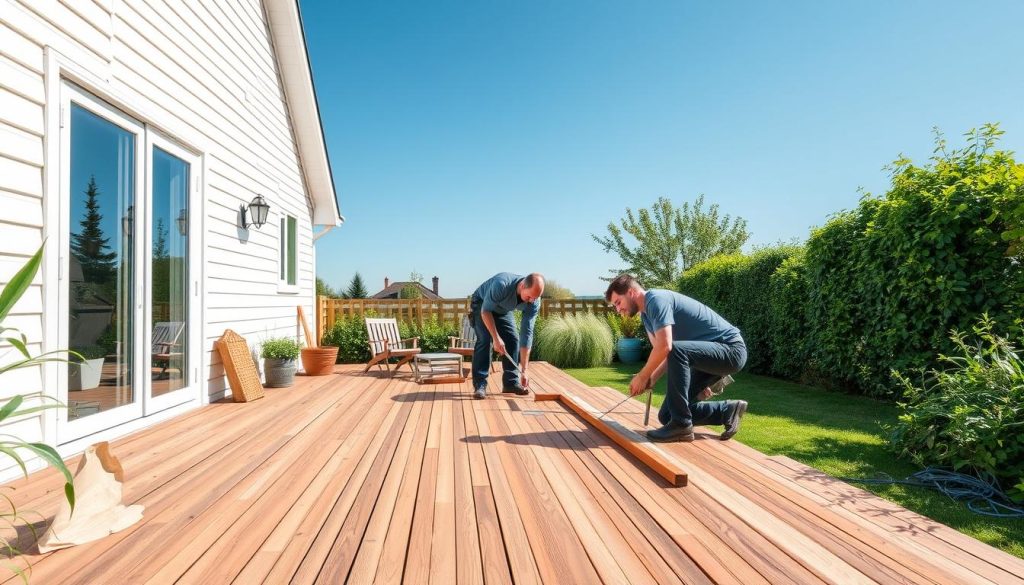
[393, 290]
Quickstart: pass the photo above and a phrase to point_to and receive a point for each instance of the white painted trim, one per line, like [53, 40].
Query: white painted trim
[70, 430]
[297, 80]
[192, 390]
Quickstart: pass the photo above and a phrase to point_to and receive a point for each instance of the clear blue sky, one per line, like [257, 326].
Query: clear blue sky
[469, 138]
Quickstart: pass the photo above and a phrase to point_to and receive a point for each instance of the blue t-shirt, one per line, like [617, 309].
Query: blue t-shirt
[690, 319]
[498, 295]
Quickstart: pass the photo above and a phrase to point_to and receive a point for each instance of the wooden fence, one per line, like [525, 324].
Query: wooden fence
[419, 310]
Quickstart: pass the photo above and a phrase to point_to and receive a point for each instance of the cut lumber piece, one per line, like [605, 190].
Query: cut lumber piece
[658, 460]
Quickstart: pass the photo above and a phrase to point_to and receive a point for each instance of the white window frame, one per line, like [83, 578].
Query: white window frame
[95, 79]
[283, 286]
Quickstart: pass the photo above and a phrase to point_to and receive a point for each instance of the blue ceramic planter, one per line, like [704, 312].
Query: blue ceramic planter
[628, 349]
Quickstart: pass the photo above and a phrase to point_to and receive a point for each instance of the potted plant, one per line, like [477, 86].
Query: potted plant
[279, 355]
[85, 374]
[628, 346]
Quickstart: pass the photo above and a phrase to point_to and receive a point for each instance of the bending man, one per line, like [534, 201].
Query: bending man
[491, 312]
[697, 347]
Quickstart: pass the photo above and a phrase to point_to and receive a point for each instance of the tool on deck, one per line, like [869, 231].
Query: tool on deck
[614, 407]
[647, 410]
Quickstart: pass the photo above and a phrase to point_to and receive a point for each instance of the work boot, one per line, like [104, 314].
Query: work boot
[673, 431]
[480, 393]
[733, 416]
[516, 389]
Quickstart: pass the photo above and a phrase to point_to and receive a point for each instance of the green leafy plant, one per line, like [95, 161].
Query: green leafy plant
[888, 279]
[433, 334]
[281, 348]
[90, 352]
[349, 334]
[21, 405]
[625, 327]
[969, 416]
[576, 341]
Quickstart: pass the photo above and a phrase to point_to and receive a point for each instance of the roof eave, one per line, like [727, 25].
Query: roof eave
[300, 93]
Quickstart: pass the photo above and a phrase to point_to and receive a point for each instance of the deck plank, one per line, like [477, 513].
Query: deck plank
[370, 478]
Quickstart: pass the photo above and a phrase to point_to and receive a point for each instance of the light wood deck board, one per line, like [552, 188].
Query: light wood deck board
[363, 478]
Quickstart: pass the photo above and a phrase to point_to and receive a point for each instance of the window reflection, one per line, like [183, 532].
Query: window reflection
[100, 283]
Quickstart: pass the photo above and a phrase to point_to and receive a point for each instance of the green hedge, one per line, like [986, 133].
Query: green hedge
[878, 289]
[736, 287]
[889, 280]
[788, 327]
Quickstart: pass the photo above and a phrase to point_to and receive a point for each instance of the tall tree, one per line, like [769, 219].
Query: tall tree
[88, 245]
[324, 290]
[668, 240]
[356, 288]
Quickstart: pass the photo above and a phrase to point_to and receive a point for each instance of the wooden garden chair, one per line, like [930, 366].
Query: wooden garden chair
[165, 343]
[464, 343]
[386, 343]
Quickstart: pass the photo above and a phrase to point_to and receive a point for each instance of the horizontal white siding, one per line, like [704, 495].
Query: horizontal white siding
[202, 72]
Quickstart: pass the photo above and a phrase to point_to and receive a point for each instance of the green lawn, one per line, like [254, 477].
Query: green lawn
[839, 434]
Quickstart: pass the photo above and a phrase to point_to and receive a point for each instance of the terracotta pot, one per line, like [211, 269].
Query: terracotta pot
[319, 361]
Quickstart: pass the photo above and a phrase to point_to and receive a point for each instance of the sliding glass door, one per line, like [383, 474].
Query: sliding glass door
[126, 268]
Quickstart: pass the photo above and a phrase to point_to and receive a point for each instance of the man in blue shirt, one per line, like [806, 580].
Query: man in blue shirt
[697, 347]
[491, 309]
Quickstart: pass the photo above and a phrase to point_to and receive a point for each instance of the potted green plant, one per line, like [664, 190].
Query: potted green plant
[628, 345]
[85, 374]
[279, 355]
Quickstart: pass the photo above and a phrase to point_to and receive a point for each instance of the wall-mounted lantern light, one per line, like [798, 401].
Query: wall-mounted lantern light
[183, 222]
[255, 214]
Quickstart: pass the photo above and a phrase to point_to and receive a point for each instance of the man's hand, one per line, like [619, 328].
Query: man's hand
[524, 380]
[639, 384]
[499, 346]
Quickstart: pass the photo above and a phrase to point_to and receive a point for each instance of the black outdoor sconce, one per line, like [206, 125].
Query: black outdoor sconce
[256, 212]
[183, 222]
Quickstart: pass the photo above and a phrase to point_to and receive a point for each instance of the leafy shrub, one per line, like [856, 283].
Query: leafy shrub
[89, 352]
[280, 348]
[349, 334]
[576, 341]
[889, 278]
[788, 328]
[735, 287]
[970, 415]
[433, 334]
[623, 326]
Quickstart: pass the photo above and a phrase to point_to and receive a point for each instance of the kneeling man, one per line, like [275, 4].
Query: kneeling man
[697, 347]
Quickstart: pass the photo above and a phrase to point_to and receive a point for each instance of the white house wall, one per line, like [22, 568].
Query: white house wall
[204, 74]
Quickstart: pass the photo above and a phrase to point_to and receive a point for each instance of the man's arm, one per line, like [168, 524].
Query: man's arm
[661, 341]
[488, 318]
[526, 326]
[660, 370]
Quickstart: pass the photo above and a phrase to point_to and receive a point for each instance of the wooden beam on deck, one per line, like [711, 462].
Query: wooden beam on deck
[630, 440]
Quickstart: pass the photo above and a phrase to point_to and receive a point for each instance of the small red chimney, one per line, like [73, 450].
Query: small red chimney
[435, 285]
[386, 282]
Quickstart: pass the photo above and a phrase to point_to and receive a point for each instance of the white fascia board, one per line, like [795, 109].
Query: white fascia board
[300, 95]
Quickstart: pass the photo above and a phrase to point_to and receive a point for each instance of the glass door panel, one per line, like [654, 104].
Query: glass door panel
[101, 282]
[170, 274]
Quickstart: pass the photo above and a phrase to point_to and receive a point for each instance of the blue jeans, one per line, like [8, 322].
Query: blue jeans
[693, 366]
[505, 325]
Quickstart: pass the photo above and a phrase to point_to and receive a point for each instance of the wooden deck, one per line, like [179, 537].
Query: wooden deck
[360, 478]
